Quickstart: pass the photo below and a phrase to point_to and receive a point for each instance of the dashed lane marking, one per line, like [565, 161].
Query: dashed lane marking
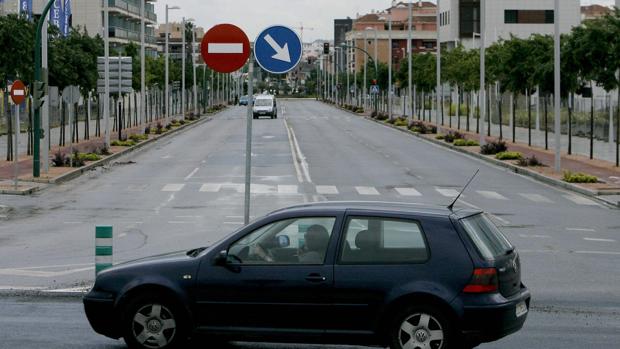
[599, 240]
[580, 200]
[492, 195]
[367, 191]
[288, 189]
[408, 192]
[326, 190]
[173, 187]
[450, 193]
[537, 198]
[189, 176]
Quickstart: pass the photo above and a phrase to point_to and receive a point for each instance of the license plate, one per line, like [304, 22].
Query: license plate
[521, 309]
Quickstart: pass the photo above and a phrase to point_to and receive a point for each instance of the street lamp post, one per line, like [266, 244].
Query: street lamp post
[439, 91]
[390, 59]
[483, 95]
[410, 59]
[167, 73]
[557, 91]
[142, 62]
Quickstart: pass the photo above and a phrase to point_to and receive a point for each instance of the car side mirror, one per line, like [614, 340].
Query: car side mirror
[222, 258]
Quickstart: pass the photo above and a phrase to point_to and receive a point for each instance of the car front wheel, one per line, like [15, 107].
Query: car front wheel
[152, 323]
[421, 328]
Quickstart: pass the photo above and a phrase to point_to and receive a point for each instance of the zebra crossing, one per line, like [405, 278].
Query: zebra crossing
[331, 191]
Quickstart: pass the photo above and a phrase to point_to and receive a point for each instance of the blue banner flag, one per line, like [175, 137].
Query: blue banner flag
[57, 16]
[67, 21]
[25, 8]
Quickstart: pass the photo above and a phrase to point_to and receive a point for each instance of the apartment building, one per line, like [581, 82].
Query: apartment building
[460, 19]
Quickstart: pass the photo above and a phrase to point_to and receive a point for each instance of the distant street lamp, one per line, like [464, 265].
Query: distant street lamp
[183, 58]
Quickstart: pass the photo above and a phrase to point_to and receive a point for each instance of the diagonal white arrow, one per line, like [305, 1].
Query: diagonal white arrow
[282, 53]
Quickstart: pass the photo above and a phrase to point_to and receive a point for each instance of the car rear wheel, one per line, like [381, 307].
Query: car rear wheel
[421, 328]
[154, 323]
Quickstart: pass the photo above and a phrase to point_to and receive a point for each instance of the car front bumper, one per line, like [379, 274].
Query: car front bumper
[487, 323]
[99, 309]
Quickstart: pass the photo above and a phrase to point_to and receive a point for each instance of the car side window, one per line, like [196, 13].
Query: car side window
[375, 240]
[302, 241]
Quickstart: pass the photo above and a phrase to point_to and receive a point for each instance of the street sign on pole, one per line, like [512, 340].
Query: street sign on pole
[18, 92]
[374, 89]
[225, 48]
[120, 76]
[278, 49]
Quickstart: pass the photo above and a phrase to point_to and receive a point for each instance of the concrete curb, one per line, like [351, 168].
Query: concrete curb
[80, 171]
[28, 191]
[41, 294]
[514, 168]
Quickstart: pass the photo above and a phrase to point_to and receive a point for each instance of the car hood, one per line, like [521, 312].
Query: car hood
[162, 258]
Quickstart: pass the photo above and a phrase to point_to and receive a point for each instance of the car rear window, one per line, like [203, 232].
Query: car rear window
[263, 103]
[489, 240]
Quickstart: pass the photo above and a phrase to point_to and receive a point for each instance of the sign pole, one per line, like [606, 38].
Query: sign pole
[16, 146]
[248, 146]
[46, 106]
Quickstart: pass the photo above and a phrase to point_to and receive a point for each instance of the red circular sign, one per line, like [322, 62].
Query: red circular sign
[18, 92]
[225, 48]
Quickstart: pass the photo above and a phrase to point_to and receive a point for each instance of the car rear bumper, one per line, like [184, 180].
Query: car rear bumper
[486, 323]
[99, 309]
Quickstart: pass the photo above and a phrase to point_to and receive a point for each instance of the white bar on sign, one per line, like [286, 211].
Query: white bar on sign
[225, 48]
[19, 92]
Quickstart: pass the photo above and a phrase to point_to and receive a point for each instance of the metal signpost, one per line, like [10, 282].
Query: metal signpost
[18, 95]
[71, 96]
[225, 49]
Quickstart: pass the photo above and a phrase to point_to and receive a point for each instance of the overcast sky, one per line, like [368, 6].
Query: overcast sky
[254, 15]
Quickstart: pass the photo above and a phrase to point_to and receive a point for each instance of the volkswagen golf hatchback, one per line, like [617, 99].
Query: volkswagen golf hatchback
[385, 274]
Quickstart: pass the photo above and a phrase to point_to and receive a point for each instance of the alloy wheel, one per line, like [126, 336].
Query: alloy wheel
[421, 331]
[154, 326]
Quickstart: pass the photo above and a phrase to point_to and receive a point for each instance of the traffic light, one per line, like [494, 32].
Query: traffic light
[40, 91]
[326, 48]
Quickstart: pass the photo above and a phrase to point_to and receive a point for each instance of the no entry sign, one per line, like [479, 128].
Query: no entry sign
[225, 48]
[18, 92]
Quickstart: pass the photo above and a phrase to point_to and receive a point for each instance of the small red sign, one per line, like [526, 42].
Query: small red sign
[18, 92]
[225, 48]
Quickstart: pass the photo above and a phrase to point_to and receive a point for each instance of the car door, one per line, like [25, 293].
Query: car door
[289, 292]
[378, 257]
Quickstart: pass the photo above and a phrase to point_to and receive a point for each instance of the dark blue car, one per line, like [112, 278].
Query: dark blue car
[387, 274]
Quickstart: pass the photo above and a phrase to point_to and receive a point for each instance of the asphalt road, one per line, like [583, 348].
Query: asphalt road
[186, 192]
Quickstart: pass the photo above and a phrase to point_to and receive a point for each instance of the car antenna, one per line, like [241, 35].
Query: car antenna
[461, 193]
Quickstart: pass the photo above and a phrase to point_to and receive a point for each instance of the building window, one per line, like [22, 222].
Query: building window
[469, 21]
[528, 16]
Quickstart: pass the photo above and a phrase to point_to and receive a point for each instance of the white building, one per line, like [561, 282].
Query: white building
[460, 19]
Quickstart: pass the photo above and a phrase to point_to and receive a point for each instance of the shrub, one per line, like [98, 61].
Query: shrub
[373, 114]
[159, 129]
[465, 143]
[147, 130]
[89, 157]
[440, 137]
[359, 110]
[493, 148]
[533, 161]
[129, 143]
[59, 160]
[571, 177]
[401, 122]
[169, 127]
[77, 160]
[139, 138]
[382, 117]
[182, 122]
[509, 155]
[453, 136]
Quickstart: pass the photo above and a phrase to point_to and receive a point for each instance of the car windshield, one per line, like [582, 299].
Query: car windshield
[263, 103]
[489, 240]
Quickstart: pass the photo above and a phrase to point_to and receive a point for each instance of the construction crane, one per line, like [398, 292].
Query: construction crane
[301, 30]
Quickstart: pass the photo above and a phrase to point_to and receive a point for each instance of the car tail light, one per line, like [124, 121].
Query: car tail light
[484, 280]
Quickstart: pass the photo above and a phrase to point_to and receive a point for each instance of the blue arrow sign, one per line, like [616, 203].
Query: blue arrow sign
[278, 49]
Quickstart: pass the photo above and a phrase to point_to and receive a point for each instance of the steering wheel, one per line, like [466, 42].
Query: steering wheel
[264, 254]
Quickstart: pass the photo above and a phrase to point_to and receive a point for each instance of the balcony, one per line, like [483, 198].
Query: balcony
[131, 10]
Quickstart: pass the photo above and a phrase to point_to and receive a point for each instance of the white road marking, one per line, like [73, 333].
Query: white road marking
[535, 236]
[189, 176]
[300, 177]
[179, 222]
[408, 192]
[72, 223]
[173, 187]
[300, 156]
[450, 193]
[502, 220]
[582, 229]
[20, 288]
[41, 274]
[492, 195]
[233, 223]
[122, 235]
[580, 200]
[599, 253]
[211, 187]
[599, 240]
[367, 191]
[326, 190]
[288, 189]
[537, 198]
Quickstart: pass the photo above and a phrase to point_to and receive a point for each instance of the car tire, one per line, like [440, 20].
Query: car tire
[154, 322]
[427, 327]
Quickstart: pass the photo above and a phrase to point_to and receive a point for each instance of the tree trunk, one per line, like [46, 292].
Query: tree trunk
[592, 124]
[478, 113]
[9, 134]
[98, 123]
[449, 112]
[488, 102]
[514, 117]
[30, 133]
[501, 118]
[468, 110]
[460, 100]
[570, 122]
[529, 119]
[547, 122]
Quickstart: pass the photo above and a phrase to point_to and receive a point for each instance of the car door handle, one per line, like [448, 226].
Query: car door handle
[316, 278]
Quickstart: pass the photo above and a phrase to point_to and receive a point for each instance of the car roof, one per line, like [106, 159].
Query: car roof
[383, 207]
